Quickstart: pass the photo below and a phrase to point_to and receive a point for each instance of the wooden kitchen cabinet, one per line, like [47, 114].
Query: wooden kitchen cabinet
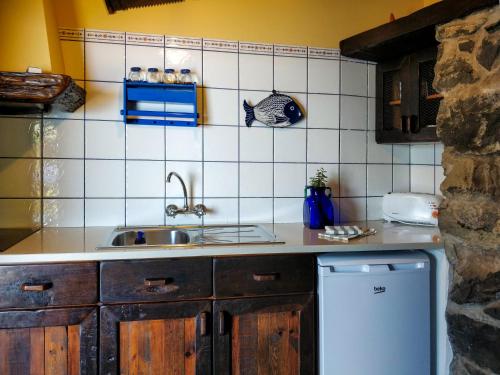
[49, 342]
[406, 103]
[269, 327]
[48, 319]
[268, 335]
[190, 316]
[156, 338]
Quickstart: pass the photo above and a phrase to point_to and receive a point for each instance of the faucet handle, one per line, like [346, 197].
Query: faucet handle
[199, 210]
[172, 210]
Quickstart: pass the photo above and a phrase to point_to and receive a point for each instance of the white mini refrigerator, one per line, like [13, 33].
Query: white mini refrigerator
[374, 313]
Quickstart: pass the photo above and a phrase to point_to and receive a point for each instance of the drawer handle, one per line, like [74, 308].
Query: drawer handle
[203, 323]
[266, 276]
[36, 287]
[156, 282]
[222, 323]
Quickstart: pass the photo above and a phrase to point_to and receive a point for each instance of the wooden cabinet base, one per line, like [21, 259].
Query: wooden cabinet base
[270, 335]
[48, 342]
[157, 338]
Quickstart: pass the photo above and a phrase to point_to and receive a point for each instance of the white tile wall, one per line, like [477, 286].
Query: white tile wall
[354, 78]
[256, 72]
[88, 168]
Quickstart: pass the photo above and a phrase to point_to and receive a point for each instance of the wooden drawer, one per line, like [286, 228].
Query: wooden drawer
[263, 275]
[156, 280]
[33, 286]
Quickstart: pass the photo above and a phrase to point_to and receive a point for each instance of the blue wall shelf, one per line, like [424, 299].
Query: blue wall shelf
[172, 95]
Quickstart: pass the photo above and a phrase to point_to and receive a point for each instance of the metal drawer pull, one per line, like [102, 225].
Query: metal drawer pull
[266, 276]
[36, 287]
[203, 323]
[156, 282]
[222, 323]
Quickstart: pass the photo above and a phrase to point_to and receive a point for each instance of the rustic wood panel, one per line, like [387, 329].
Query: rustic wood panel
[263, 275]
[40, 351]
[37, 351]
[56, 350]
[65, 284]
[48, 342]
[158, 338]
[74, 350]
[158, 347]
[270, 335]
[126, 281]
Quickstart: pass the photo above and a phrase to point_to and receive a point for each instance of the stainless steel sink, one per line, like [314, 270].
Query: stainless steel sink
[151, 237]
[188, 236]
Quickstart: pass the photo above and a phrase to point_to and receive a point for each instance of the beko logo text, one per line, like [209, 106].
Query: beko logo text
[378, 289]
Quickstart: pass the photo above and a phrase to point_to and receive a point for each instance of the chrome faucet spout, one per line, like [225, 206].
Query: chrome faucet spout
[186, 207]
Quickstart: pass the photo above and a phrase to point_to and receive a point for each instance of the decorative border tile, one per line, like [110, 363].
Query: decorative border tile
[345, 58]
[220, 45]
[256, 48]
[293, 51]
[183, 42]
[145, 39]
[71, 34]
[324, 53]
[116, 37]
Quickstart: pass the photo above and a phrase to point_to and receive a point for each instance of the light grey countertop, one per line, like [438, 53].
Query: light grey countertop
[79, 244]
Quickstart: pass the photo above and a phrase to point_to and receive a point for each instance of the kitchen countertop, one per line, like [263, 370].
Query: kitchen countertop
[79, 244]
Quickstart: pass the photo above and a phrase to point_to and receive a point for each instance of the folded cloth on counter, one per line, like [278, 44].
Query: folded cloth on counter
[343, 229]
[346, 237]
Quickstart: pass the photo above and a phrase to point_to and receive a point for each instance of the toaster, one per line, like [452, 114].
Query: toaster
[411, 208]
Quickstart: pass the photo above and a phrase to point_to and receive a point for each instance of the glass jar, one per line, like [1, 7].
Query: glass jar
[153, 75]
[185, 76]
[136, 74]
[169, 76]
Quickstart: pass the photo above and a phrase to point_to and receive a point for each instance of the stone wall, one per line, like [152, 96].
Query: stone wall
[468, 75]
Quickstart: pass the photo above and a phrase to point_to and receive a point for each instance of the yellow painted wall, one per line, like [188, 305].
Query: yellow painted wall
[29, 36]
[321, 23]
[23, 41]
[29, 27]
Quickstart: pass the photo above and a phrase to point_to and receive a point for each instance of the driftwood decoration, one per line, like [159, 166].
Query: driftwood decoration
[114, 5]
[34, 92]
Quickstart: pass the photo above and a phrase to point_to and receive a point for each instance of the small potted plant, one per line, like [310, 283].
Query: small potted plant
[318, 207]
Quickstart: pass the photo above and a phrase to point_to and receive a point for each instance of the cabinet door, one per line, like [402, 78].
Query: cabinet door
[393, 101]
[427, 99]
[270, 335]
[49, 342]
[156, 338]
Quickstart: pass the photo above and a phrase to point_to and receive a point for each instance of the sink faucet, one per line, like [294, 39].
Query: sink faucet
[172, 210]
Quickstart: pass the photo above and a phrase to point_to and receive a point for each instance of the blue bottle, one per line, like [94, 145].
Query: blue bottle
[318, 208]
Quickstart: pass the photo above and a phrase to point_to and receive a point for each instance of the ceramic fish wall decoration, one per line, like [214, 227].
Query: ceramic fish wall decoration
[277, 110]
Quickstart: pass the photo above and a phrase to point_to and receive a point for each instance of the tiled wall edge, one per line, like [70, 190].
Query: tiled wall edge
[290, 51]
[71, 34]
[145, 39]
[116, 37]
[183, 42]
[256, 48]
[221, 45]
[324, 53]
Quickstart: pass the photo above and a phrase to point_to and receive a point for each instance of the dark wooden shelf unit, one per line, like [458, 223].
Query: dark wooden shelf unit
[408, 34]
[406, 49]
